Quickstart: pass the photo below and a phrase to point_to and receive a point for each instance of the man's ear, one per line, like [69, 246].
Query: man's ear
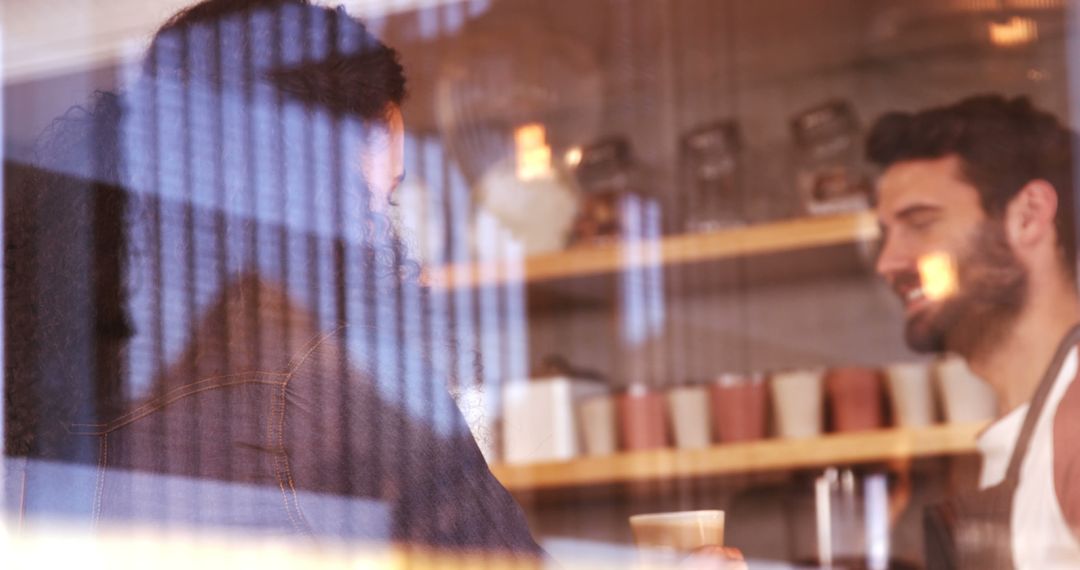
[1029, 218]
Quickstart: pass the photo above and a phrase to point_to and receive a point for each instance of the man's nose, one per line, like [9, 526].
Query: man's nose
[892, 259]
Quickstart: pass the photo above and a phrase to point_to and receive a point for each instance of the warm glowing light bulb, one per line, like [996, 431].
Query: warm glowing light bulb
[573, 156]
[1013, 32]
[530, 136]
[533, 153]
[937, 271]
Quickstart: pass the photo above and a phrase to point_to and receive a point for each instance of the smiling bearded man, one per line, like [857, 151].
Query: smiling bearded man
[988, 295]
[975, 204]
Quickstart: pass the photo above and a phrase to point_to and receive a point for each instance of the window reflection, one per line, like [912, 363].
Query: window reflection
[280, 342]
[598, 260]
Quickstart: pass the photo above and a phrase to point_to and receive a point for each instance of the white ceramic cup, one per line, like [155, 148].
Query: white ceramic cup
[797, 401]
[597, 417]
[690, 420]
[911, 394]
[965, 397]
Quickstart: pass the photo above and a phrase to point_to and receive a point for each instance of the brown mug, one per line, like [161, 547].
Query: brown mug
[855, 397]
[739, 404]
[642, 417]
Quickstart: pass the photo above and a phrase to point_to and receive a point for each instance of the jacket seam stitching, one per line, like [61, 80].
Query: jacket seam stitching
[103, 463]
[281, 463]
[178, 393]
[109, 428]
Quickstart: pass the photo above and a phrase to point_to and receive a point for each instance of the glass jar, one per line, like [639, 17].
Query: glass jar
[610, 178]
[709, 169]
[829, 175]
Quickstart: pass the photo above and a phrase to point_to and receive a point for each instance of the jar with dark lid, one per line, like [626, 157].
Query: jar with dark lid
[613, 186]
[829, 174]
[709, 170]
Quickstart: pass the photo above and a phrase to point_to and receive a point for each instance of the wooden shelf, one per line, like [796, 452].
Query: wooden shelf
[774, 454]
[784, 236]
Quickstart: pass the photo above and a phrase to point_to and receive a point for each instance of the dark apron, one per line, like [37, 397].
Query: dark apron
[974, 530]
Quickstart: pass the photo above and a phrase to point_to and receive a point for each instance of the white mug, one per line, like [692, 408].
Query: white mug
[597, 417]
[797, 400]
[911, 394]
[690, 419]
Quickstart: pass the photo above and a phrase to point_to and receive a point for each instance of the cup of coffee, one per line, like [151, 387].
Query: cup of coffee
[678, 532]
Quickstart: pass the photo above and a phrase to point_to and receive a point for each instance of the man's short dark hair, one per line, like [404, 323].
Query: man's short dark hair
[1002, 144]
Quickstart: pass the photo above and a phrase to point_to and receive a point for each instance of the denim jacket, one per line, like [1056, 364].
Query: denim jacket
[275, 428]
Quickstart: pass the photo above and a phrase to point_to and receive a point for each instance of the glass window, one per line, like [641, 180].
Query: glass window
[693, 283]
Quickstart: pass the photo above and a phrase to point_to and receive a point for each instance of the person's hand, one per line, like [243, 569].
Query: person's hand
[714, 558]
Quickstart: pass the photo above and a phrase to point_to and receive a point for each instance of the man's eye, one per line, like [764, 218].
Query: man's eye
[922, 222]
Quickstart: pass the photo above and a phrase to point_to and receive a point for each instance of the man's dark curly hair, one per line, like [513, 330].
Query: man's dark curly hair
[1002, 145]
[313, 54]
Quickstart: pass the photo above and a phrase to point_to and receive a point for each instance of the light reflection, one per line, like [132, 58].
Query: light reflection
[428, 162]
[533, 152]
[251, 232]
[573, 156]
[1013, 32]
[632, 281]
[654, 281]
[937, 272]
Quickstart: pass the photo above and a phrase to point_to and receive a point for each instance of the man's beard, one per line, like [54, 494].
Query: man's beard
[991, 291]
